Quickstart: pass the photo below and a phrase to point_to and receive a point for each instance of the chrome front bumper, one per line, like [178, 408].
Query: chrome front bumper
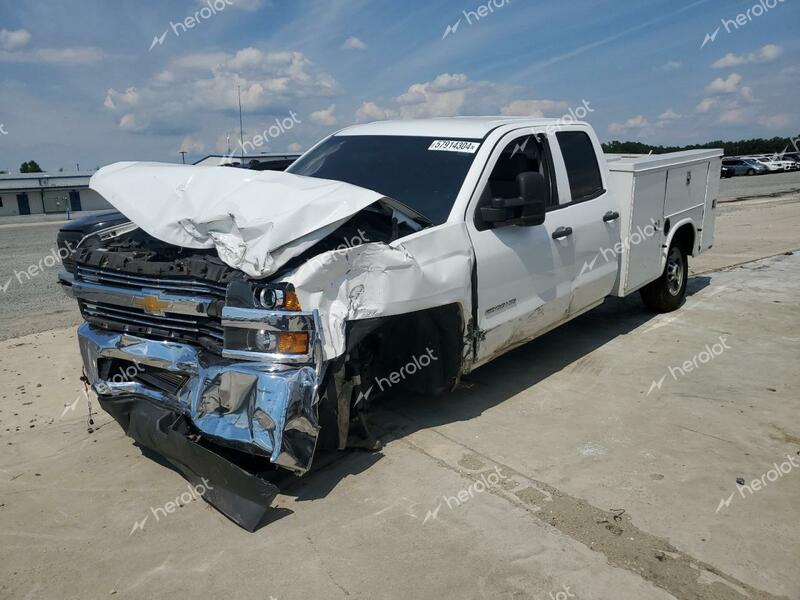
[261, 408]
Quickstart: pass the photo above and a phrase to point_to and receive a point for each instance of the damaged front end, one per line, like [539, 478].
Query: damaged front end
[199, 364]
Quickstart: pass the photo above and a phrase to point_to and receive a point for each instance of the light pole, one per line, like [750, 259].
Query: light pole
[183, 156]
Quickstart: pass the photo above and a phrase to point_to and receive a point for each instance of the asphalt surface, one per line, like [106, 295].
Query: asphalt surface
[30, 298]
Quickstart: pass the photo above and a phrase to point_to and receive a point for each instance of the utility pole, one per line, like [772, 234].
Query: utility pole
[183, 156]
[241, 127]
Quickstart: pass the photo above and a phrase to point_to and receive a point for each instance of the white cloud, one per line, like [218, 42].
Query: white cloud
[353, 43]
[116, 99]
[54, 56]
[779, 121]
[766, 54]
[325, 117]
[724, 86]
[208, 82]
[706, 105]
[669, 115]
[294, 147]
[671, 65]
[128, 122]
[448, 94]
[734, 116]
[14, 39]
[192, 145]
[534, 108]
[637, 123]
[747, 93]
[369, 111]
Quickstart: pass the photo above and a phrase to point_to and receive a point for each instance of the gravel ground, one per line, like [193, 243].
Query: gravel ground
[30, 304]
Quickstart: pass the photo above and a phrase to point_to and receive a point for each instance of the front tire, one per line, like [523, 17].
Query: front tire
[667, 293]
[751, 172]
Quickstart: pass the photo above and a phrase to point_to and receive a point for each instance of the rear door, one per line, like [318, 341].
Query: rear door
[592, 213]
[523, 274]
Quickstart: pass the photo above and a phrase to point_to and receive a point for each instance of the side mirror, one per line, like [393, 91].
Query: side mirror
[526, 210]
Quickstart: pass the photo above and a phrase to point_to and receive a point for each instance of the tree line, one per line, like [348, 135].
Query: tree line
[740, 148]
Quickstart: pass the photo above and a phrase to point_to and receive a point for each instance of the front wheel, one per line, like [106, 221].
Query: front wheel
[751, 172]
[667, 293]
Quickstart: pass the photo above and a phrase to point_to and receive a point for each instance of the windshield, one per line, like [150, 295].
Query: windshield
[401, 167]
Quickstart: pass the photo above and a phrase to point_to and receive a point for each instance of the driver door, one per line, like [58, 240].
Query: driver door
[524, 276]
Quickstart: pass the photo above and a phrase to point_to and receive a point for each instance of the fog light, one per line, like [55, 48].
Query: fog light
[266, 341]
[293, 343]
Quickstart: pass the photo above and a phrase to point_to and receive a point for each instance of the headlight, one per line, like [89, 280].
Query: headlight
[265, 319]
[274, 298]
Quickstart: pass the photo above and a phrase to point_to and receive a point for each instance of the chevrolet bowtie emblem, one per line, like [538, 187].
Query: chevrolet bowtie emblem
[152, 305]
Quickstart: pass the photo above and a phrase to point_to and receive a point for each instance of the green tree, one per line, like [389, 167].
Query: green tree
[30, 167]
[740, 148]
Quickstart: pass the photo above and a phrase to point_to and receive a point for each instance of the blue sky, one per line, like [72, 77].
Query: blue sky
[80, 83]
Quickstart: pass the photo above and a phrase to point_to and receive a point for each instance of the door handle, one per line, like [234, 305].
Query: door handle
[611, 215]
[562, 232]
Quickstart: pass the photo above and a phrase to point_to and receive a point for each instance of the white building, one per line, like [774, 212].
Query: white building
[37, 193]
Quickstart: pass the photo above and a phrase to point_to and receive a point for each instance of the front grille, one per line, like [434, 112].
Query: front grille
[200, 329]
[139, 282]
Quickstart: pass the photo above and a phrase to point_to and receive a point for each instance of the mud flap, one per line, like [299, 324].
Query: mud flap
[241, 496]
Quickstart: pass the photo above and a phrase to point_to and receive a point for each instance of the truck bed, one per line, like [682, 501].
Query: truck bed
[657, 193]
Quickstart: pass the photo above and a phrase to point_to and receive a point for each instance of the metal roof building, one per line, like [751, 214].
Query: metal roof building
[37, 193]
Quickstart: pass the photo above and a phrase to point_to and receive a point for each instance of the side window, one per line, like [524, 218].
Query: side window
[526, 153]
[580, 160]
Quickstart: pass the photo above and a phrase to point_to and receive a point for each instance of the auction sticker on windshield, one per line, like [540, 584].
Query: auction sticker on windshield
[454, 146]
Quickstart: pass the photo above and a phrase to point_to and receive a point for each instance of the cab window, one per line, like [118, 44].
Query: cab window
[580, 160]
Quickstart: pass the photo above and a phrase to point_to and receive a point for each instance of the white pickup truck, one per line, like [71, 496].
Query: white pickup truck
[237, 317]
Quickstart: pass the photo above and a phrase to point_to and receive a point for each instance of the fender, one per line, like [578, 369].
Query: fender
[671, 236]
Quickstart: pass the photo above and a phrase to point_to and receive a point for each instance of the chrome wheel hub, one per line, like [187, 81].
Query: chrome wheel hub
[674, 271]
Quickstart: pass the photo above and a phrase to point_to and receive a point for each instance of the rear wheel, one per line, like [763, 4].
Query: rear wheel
[667, 293]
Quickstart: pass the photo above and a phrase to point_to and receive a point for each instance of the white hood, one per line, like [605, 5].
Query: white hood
[257, 220]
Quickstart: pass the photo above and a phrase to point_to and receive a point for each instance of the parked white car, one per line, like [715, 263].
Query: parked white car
[264, 312]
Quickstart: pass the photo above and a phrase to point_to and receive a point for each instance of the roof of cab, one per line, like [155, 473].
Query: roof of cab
[448, 127]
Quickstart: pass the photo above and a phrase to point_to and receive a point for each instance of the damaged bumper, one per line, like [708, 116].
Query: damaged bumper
[260, 408]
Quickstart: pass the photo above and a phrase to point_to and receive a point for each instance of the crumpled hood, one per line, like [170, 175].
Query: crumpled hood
[256, 220]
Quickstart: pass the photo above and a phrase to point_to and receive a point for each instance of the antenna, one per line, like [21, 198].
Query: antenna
[241, 128]
[228, 140]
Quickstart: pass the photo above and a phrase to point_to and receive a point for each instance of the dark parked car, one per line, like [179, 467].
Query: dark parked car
[743, 166]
